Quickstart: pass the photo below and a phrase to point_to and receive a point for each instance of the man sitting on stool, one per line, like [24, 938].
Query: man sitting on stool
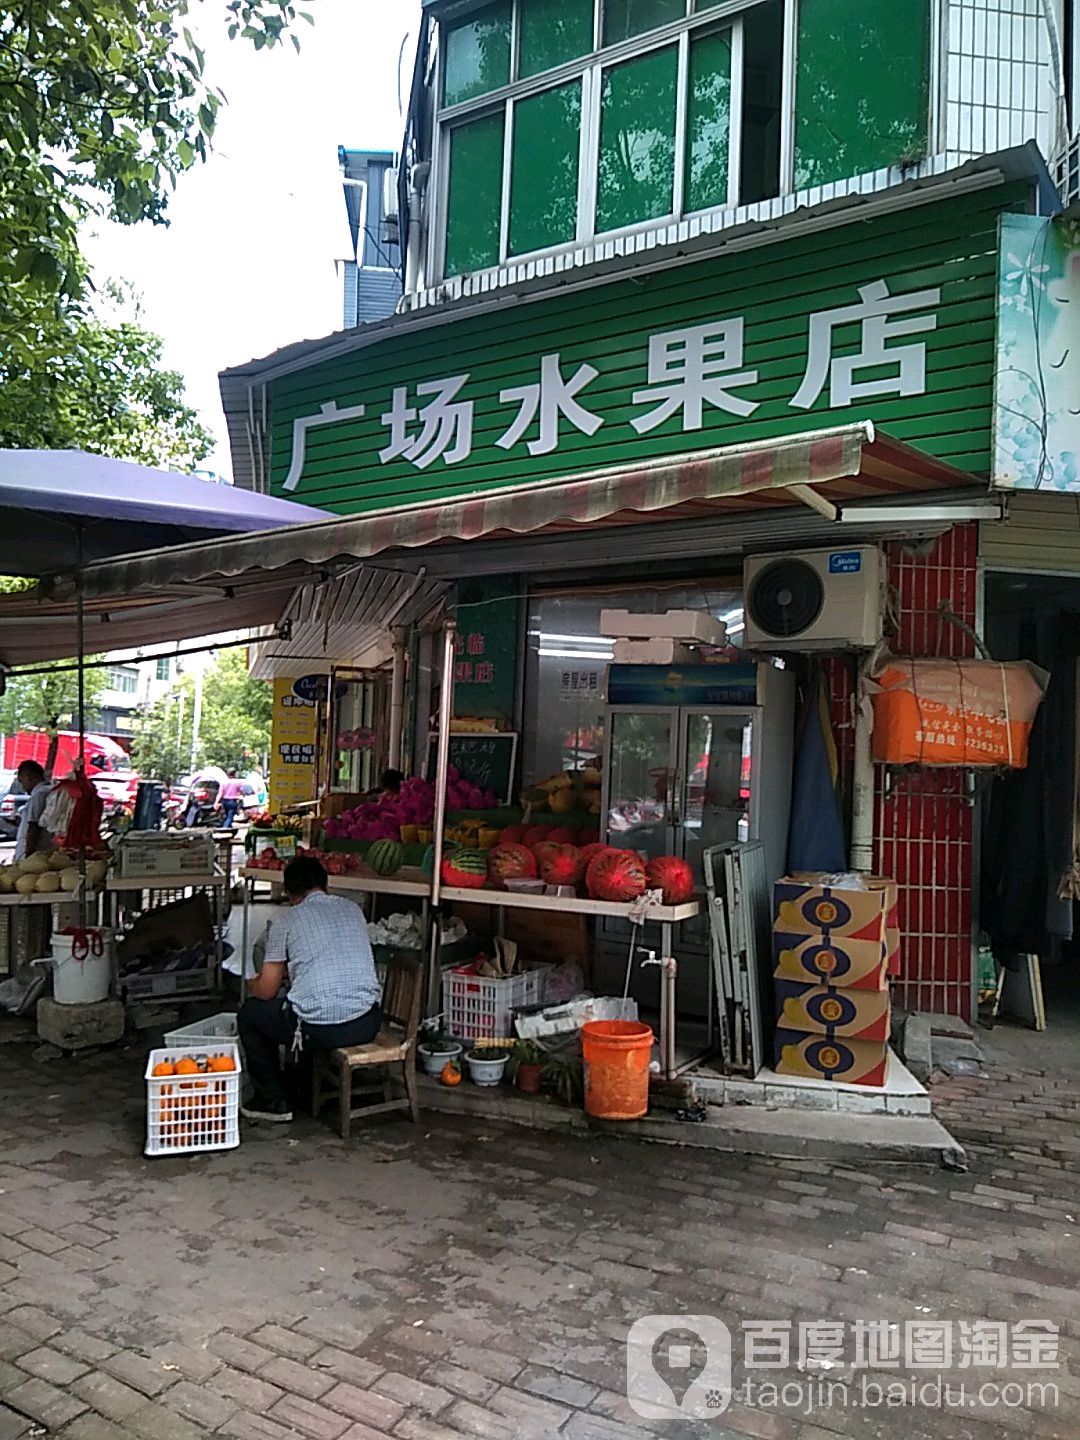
[319, 948]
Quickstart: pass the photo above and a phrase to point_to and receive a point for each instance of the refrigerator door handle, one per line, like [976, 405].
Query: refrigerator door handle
[674, 798]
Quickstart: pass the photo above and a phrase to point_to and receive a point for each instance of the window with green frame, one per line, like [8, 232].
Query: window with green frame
[635, 138]
[862, 88]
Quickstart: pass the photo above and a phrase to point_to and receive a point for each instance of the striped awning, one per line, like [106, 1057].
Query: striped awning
[835, 465]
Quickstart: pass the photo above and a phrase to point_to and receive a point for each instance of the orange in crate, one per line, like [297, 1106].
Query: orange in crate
[199, 1111]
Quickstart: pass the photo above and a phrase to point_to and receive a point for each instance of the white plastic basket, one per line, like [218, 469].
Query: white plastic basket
[478, 1008]
[188, 1113]
[204, 1032]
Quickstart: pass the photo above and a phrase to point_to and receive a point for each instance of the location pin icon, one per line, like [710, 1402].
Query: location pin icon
[679, 1357]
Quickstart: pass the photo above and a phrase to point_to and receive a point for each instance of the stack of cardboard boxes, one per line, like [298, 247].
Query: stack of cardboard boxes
[834, 947]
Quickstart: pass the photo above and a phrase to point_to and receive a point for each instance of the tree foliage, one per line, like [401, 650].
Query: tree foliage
[84, 383]
[234, 731]
[48, 700]
[103, 104]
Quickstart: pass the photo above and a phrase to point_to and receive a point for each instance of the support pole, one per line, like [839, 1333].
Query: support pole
[442, 765]
[862, 797]
[397, 700]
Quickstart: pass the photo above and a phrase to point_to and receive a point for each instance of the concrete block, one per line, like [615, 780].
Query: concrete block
[78, 1027]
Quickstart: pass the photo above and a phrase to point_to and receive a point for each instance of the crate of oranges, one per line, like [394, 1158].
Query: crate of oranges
[193, 1099]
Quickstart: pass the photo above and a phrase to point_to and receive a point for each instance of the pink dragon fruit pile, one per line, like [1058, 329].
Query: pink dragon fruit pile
[382, 819]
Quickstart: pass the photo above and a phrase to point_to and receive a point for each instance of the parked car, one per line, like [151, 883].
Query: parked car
[11, 806]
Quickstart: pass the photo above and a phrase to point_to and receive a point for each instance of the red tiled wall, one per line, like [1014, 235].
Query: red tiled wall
[924, 830]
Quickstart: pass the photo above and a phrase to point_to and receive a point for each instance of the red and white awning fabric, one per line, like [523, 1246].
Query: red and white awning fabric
[822, 468]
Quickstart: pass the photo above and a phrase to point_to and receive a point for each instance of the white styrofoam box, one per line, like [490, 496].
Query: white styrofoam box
[151, 853]
[654, 652]
[189, 1113]
[203, 1032]
[668, 625]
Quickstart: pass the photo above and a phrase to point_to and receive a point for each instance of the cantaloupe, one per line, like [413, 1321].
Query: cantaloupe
[48, 884]
[36, 864]
[96, 871]
[59, 860]
[26, 884]
[69, 880]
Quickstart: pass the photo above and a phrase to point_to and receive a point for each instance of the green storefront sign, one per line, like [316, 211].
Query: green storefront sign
[890, 319]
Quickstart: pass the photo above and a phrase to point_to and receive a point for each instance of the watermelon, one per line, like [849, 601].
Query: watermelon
[589, 852]
[386, 857]
[671, 875]
[511, 862]
[427, 863]
[618, 875]
[544, 848]
[588, 837]
[512, 835]
[564, 835]
[467, 869]
[534, 834]
[561, 865]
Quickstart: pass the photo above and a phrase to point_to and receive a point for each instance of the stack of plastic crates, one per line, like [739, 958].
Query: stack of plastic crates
[478, 1008]
[193, 1106]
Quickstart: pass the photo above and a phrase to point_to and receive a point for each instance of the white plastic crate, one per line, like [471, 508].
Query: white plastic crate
[204, 1032]
[188, 1113]
[477, 1008]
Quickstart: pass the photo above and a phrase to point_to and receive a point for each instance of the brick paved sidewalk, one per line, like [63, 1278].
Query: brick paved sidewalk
[457, 1280]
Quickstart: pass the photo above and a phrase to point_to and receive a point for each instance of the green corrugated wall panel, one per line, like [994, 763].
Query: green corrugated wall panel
[951, 245]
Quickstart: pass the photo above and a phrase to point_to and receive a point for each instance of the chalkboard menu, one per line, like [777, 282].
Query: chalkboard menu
[485, 759]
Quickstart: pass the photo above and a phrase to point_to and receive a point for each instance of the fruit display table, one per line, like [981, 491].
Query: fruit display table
[186, 982]
[407, 881]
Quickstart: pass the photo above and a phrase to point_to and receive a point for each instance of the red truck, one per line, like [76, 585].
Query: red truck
[107, 763]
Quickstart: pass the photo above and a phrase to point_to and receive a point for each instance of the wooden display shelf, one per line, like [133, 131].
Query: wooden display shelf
[404, 882]
[52, 897]
[128, 884]
[569, 905]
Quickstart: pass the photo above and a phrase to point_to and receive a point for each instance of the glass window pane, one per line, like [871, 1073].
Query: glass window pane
[477, 55]
[474, 205]
[637, 140]
[552, 32]
[544, 170]
[623, 18]
[845, 123]
[708, 122]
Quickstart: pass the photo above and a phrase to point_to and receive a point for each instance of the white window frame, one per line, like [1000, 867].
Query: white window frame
[588, 71]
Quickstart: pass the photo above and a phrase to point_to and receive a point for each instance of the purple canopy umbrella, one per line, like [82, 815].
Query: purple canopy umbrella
[66, 508]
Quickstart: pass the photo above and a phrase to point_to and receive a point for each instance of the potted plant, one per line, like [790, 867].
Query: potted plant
[486, 1064]
[436, 1050]
[528, 1066]
[564, 1078]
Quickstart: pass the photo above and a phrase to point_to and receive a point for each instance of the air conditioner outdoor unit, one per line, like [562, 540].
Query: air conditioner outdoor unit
[815, 599]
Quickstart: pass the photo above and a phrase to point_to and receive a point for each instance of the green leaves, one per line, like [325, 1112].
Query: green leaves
[103, 103]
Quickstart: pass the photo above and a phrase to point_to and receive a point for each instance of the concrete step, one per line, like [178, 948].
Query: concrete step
[738, 1129]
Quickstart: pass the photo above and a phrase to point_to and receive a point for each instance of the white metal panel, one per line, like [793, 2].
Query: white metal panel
[1040, 536]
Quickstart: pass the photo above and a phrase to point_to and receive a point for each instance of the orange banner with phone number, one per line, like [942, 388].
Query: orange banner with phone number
[954, 712]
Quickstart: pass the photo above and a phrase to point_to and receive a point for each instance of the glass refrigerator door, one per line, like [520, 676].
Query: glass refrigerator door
[640, 780]
[714, 794]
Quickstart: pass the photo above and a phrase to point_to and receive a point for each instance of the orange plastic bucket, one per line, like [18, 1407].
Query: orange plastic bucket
[616, 1055]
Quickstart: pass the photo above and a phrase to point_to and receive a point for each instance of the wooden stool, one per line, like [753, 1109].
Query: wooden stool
[395, 1044]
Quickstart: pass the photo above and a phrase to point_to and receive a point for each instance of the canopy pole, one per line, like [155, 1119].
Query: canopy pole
[397, 700]
[80, 641]
[442, 765]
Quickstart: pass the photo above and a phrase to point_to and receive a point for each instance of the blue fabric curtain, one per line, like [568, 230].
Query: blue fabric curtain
[816, 839]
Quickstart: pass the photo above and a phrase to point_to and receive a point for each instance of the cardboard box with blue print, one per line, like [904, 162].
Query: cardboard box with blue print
[832, 960]
[821, 1057]
[808, 905]
[824, 1010]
